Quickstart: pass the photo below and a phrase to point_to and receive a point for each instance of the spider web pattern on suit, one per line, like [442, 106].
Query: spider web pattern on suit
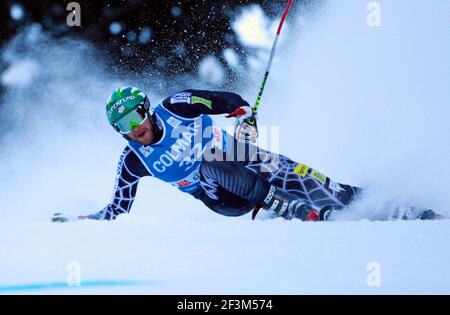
[279, 170]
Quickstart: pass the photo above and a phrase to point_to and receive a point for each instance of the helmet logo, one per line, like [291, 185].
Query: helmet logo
[119, 103]
[121, 109]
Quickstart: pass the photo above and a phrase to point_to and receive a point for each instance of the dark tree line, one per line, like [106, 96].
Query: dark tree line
[171, 36]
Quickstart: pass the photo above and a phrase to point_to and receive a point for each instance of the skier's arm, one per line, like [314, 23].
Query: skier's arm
[129, 172]
[192, 103]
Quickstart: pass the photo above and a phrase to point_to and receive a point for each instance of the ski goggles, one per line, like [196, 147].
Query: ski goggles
[134, 118]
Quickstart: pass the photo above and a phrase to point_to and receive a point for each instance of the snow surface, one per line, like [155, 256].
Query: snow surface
[229, 256]
[364, 105]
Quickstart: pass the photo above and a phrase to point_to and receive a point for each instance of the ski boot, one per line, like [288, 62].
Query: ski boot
[415, 213]
[422, 214]
[324, 213]
[431, 215]
[289, 206]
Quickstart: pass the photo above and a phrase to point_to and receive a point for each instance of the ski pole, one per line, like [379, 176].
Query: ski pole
[272, 54]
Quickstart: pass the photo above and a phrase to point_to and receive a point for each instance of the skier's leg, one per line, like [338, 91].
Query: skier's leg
[314, 189]
[222, 201]
[308, 184]
[231, 189]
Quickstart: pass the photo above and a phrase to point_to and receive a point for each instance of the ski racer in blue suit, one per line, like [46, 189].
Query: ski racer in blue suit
[177, 142]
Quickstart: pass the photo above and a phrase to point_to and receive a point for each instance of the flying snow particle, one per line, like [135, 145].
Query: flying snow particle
[145, 35]
[210, 70]
[115, 28]
[16, 11]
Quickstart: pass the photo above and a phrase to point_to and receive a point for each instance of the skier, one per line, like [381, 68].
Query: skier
[177, 142]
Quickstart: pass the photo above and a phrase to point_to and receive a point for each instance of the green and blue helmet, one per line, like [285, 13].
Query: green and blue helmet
[126, 108]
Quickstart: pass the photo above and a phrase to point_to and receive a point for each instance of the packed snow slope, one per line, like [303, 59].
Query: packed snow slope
[230, 256]
[364, 105]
